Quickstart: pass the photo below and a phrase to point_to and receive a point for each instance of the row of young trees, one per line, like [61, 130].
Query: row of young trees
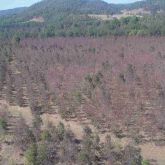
[113, 82]
[56, 145]
[105, 77]
[52, 144]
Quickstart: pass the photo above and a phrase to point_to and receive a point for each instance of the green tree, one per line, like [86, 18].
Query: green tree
[31, 154]
[61, 131]
[41, 154]
[3, 124]
[145, 162]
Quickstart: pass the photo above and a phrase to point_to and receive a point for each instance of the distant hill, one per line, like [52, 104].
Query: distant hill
[71, 18]
[48, 8]
[12, 11]
[150, 5]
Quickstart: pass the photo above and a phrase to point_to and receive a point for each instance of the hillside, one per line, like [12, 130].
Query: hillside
[68, 18]
[82, 83]
[72, 6]
[12, 11]
[99, 86]
[47, 7]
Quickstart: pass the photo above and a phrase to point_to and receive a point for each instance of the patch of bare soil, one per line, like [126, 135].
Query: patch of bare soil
[152, 152]
[25, 112]
[10, 155]
[37, 19]
[124, 13]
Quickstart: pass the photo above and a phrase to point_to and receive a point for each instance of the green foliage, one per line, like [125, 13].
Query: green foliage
[78, 97]
[90, 146]
[73, 22]
[84, 157]
[3, 124]
[145, 162]
[41, 153]
[70, 20]
[31, 154]
[37, 121]
[45, 136]
[61, 131]
[94, 80]
[62, 149]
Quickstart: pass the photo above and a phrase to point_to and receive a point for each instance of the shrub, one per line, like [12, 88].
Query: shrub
[78, 97]
[3, 124]
[31, 154]
[84, 158]
[145, 162]
[23, 135]
[41, 154]
[131, 155]
[61, 131]
[45, 136]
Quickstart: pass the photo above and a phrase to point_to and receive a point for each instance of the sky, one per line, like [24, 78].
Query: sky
[9, 4]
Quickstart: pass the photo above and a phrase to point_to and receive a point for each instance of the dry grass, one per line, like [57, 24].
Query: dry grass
[75, 126]
[124, 13]
[25, 112]
[37, 19]
[10, 155]
[152, 152]
[139, 11]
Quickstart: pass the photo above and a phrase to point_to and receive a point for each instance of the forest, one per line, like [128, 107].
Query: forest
[72, 19]
[73, 26]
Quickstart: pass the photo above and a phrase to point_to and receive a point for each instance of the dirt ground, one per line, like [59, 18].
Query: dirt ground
[152, 152]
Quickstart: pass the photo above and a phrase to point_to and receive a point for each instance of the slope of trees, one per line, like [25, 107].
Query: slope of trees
[74, 26]
[58, 145]
[71, 19]
[114, 80]
[116, 84]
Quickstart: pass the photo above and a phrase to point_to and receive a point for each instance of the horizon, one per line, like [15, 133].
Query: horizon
[11, 4]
